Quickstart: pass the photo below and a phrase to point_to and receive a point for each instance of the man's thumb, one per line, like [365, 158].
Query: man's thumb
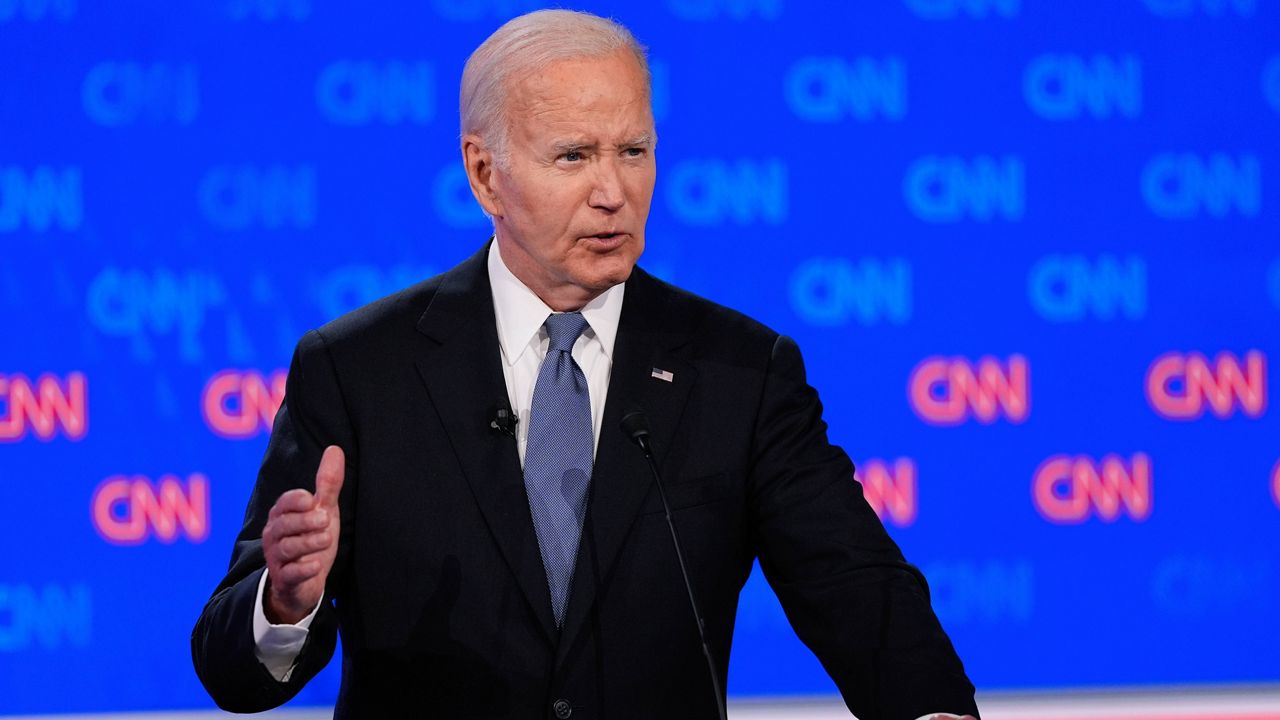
[329, 476]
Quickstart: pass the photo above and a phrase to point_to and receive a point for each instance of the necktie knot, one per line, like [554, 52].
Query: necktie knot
[564, 329]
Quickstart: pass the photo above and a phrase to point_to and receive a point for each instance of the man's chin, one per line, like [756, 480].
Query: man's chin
[617, 273]
[605, 272]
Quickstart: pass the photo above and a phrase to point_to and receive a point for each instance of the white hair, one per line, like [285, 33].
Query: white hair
[527, 44]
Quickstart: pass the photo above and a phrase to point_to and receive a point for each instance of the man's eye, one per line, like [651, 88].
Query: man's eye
[635, 152]
[572, 156]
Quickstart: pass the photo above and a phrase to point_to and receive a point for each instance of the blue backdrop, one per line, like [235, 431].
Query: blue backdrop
[1031, 251]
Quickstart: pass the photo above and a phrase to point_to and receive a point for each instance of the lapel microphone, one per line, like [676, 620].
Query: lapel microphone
[635, 425]
[504, 421]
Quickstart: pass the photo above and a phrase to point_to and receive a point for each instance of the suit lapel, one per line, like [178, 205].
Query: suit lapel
[647, 341]
[464, 378]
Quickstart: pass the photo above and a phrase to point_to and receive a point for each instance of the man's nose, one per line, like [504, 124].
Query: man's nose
[606, 191]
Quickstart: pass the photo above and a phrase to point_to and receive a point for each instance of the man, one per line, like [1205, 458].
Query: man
[480, 570]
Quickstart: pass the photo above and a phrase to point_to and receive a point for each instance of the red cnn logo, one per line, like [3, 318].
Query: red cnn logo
[1068, 489]
[45, 406]
[128, 509]
[1180, 385]
[949, 391]
[240, 405]
[890, 492]
[1275, 484]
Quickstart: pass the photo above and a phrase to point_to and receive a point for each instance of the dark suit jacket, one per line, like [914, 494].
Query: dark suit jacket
[439, 590]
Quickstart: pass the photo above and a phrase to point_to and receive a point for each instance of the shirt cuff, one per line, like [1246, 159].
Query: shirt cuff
[277, 646]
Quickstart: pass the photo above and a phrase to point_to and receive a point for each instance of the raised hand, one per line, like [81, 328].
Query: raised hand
[300, 541]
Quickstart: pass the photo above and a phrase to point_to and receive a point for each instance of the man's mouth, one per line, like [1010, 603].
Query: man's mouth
[606, 241]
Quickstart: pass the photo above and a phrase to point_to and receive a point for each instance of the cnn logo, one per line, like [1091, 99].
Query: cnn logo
[1182, 386]
[1275, 484]
[129, 510]
[891, 490]
[241, 404]
[950, 391]
[44, 408]
[1069, 490]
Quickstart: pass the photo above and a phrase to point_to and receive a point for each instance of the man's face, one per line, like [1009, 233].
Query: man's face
[570, 205]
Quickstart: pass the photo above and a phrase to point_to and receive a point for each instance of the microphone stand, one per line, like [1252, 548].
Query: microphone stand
[636, 426]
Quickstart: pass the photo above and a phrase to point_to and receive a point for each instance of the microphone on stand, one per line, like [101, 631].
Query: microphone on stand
[635, 425]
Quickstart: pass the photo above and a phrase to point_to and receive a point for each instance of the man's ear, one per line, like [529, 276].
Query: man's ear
[478, 161]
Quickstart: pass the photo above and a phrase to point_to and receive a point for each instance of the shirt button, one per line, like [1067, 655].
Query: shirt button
[562, 709]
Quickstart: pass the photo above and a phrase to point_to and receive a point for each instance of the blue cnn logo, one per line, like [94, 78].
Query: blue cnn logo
[951, 9]
[742, 192]
[134, 304]
[1271, 83]
[1069, 288]
[451, 197]
[241, 197]
[988, 592]
[50, 617]
[472, 10]
[1212, 8]
[41, 199]
[35, 10]
[364, 93]
[835, 291]
[269, 10]
[116, 94]
[660, 81]
[1066, 87]
[1190, 586]
[1181, 186]
[943, 189]
[831, 89]
[708, 10]
[347, 288]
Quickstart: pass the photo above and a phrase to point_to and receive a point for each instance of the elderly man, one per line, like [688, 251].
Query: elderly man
[486, 538]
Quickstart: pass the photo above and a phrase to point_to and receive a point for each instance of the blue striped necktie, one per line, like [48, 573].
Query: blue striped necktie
[559, 455]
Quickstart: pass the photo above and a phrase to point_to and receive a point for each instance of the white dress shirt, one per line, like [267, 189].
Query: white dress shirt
[522, 339]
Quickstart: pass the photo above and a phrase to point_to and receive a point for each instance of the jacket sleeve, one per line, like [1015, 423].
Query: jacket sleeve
[312, 417]
[843, 583]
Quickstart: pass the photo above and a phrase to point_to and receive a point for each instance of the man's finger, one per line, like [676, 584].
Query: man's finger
[295, 573]
[295, 500]
[295, 547]
[297, 523]
[329, 477]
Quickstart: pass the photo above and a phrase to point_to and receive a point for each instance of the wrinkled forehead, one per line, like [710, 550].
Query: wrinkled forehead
[616, 81]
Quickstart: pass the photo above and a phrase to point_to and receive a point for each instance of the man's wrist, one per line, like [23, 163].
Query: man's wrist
[277, 646]
[279, 612]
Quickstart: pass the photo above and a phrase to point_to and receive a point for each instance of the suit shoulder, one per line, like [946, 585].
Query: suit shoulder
[717, 329]
[378, 323]
[389, 327]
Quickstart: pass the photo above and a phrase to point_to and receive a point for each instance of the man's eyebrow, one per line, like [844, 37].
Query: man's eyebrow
[563, 146]
[568, 145]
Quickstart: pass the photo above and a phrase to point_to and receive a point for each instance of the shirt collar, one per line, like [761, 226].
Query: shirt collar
[520, 313]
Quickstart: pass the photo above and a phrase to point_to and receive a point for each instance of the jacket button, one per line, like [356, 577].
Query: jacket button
[562, 709]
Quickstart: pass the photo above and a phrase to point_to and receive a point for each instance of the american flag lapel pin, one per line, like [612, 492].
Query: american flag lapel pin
[664, 375]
